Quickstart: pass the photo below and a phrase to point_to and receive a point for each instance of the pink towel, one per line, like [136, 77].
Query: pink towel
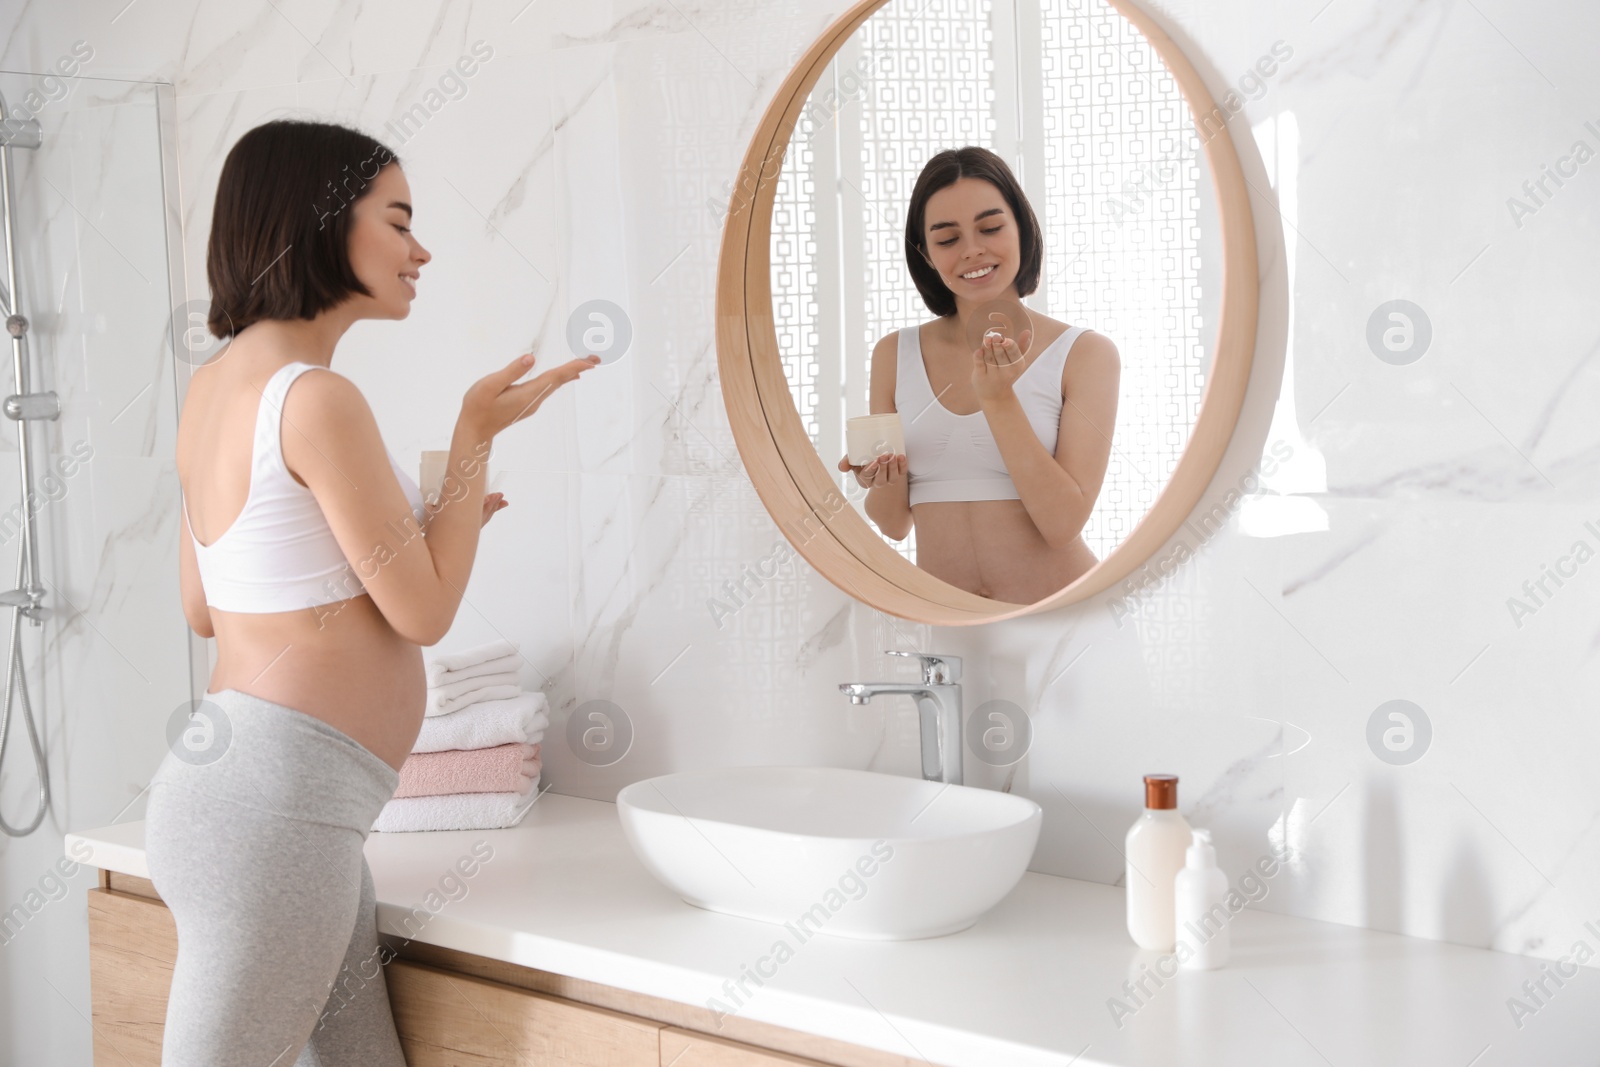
[502, 769]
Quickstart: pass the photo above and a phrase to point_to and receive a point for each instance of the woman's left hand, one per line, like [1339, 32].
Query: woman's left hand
[492, 502]
[997, 364]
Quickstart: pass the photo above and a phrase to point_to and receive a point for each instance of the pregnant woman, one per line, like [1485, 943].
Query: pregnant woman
[1007, 441]
[306, 552]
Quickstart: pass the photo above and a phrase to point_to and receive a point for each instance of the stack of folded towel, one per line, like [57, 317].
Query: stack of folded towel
[476, 763]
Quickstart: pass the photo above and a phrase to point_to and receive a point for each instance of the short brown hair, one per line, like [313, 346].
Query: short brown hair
[943, 171]
[279, 245]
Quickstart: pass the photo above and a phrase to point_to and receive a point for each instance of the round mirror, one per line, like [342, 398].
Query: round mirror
[972, 301]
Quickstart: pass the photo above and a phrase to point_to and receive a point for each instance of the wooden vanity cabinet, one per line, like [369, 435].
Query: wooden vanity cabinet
[451, 1009]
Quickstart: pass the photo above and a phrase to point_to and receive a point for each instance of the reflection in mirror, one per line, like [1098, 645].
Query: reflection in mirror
[1075, 104]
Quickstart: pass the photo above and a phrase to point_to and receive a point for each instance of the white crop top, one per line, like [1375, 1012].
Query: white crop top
[955, 457]
[279, 554]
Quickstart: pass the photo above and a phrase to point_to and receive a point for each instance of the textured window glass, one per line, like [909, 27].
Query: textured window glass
[794, 280]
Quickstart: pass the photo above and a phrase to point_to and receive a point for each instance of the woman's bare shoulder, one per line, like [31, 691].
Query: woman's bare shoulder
[323, 401]
[886, 353]
[1092, 363]
[884, 374]
[1095, 348]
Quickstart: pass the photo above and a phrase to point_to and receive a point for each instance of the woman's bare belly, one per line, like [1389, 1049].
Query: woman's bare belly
[342, 663]
[993, 549]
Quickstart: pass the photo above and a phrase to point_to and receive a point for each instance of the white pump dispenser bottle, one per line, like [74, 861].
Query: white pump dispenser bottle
[1199, 893]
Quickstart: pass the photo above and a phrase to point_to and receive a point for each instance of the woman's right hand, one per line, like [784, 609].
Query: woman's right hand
[496, 401]
[884, 470]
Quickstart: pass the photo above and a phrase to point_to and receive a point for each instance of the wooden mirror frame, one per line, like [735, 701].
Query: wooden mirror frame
[789, 476]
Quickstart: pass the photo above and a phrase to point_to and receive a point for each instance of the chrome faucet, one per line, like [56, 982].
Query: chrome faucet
[938, 700]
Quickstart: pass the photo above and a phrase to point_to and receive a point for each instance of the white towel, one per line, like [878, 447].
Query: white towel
[466, 659]
[438, 694]
[456, 811]
[509, 664]
[445, 699]
[521, 719]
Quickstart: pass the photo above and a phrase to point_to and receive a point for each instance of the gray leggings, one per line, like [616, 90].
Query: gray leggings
[253, 834]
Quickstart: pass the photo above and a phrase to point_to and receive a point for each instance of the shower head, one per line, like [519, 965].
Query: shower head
[18, 133]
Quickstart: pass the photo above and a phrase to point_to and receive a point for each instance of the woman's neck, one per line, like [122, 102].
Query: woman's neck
[967, 310]
[310, 340]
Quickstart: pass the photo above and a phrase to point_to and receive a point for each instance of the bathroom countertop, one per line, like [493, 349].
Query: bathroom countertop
[1035, 983]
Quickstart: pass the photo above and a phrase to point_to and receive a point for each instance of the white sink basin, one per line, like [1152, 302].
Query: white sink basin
[849, 853]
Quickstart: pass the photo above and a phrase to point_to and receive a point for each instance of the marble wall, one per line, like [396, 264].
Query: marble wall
[587, 159]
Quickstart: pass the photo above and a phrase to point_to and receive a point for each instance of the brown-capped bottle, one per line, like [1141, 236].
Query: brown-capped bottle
[1155, 851]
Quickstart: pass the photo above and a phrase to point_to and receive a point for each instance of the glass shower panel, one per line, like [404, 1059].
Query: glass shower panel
[98, 261]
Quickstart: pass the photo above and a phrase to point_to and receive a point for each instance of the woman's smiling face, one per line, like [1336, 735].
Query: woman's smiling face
[971, 239]
[383, 252]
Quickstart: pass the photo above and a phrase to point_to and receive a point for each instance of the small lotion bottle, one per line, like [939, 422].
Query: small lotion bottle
[1199, 895]
[1155, 852]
